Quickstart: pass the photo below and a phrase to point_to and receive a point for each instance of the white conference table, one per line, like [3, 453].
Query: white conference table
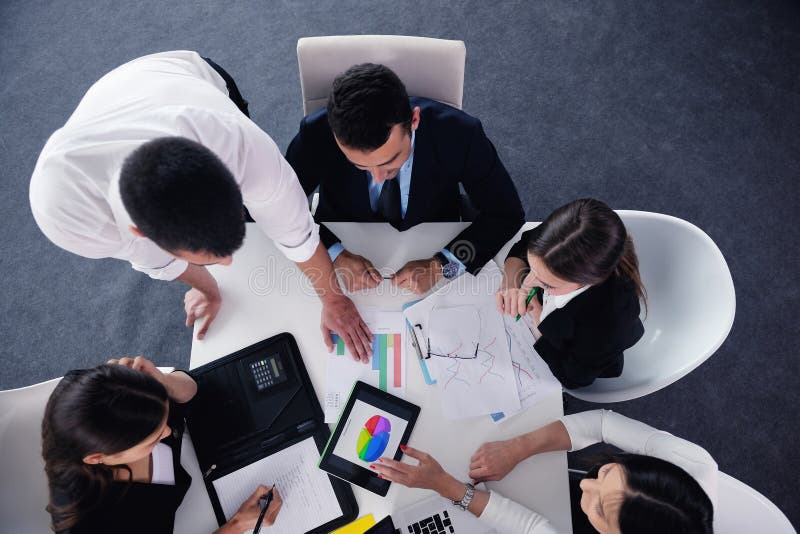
[265, 294]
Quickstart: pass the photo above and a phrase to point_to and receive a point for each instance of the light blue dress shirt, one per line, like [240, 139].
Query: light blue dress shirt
[404, 181]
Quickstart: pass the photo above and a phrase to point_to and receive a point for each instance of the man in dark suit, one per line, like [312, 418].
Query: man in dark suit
[378, 156]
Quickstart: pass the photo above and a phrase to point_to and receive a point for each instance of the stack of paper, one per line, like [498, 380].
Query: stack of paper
[483, 362]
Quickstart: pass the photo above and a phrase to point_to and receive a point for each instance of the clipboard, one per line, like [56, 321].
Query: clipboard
[252, 404]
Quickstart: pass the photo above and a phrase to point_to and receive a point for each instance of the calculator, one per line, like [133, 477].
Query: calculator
[267, 372]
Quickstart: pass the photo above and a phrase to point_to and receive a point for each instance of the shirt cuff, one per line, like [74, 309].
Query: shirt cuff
[169, 272]
[453, 259]
[304, 250]
[334, 250]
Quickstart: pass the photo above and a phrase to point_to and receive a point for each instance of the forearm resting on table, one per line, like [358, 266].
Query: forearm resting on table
[514, 270]
[199, 278]
[451, 488]
[552, 437]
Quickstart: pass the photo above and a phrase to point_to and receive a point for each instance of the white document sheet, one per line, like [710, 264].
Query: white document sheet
[386, 369]
[533, 376]
[458, 319]
[308, 497]
[469, 352]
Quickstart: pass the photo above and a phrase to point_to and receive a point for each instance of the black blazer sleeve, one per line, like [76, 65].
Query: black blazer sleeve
[305, 158]
[494, 196]
[520, 248]
[585, 339]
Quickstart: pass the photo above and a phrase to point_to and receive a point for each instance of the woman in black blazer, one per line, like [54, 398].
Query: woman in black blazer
[99, 434]
[586, 311]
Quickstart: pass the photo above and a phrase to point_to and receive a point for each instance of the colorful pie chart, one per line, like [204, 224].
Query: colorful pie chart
[373, 438]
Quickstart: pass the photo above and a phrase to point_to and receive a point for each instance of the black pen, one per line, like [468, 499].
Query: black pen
[264, 505]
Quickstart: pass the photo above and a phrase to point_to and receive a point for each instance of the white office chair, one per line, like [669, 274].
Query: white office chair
[742, 510]
[433, 68]
[23, 483]
[690, 302]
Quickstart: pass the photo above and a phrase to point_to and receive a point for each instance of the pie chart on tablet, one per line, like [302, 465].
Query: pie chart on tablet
[373, 438]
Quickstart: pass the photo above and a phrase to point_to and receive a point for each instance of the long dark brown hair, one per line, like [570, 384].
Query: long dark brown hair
[107, 409]
[585, 242]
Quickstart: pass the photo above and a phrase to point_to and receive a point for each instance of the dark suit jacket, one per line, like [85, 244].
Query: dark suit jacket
[585, 339]
[450, 149]
[138, 507]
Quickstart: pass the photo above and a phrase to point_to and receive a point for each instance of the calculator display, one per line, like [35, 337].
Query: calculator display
[268, 371]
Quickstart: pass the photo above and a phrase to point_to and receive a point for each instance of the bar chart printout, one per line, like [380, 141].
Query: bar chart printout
[386, 369]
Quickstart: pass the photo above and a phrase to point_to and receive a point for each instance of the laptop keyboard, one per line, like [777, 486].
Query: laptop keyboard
[436, 524]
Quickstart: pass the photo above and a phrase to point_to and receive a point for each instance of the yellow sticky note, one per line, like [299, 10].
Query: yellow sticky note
[359, 526]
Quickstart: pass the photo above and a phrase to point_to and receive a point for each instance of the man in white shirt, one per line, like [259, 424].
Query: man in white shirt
[153, 167]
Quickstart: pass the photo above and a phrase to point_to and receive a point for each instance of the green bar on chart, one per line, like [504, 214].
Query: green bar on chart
[382, 376]
[339, 345]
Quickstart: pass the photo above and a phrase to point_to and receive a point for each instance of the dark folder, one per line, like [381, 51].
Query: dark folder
[252, 404]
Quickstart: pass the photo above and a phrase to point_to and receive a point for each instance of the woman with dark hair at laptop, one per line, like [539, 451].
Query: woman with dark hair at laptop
[111, 441]
[661, 484]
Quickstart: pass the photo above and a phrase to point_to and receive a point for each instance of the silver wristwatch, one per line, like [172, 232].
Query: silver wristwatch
[467, 498]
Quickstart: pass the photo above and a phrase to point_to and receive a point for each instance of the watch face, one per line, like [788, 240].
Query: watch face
[450, 271]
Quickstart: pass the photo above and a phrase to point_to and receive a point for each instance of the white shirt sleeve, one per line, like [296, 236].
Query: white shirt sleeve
[272, 193]
[507, 516]
[596, 426]
[77, 217]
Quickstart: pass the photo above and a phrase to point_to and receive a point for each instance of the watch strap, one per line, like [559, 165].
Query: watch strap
[467, 498]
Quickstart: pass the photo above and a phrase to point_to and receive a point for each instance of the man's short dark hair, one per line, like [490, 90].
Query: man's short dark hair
[365, 103]
[182, 197]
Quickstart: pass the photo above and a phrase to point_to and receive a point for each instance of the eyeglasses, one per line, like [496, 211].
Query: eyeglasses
[452, 355]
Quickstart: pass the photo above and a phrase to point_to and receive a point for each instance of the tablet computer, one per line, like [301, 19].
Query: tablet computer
[372, 424]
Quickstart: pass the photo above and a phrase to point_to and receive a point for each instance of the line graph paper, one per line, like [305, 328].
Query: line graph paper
[532, 376]
[468, 350]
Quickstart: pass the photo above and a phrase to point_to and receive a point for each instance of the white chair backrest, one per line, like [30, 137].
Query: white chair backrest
[690, 307]
[432, 68]
[742, 510]
[23, 484]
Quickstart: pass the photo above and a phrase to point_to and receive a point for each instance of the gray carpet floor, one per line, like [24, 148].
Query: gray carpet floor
[687, 108]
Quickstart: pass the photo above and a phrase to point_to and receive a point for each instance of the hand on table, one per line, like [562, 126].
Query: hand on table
[340, 315]
[427, 474]
[246, 516]
[356, 272]
[493, 460]
[418, 275]
[199, 304]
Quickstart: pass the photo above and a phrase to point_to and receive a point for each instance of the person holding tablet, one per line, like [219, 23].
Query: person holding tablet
[582, 264]
[111, 442]
[661, 484]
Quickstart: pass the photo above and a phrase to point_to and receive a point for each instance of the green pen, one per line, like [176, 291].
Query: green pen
[527, 301]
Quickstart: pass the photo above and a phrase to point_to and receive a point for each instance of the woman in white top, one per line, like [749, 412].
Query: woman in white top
[661, 484]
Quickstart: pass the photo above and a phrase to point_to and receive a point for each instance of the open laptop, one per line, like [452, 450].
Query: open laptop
[434, 515]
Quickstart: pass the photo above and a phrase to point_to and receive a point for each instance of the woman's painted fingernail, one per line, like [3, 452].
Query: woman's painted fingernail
[403, 448]
[380, 460]
[380, 476]
[372, 466]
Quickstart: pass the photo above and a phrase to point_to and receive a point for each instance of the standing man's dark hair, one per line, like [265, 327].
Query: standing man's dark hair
[365, 103]
[182, 196]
